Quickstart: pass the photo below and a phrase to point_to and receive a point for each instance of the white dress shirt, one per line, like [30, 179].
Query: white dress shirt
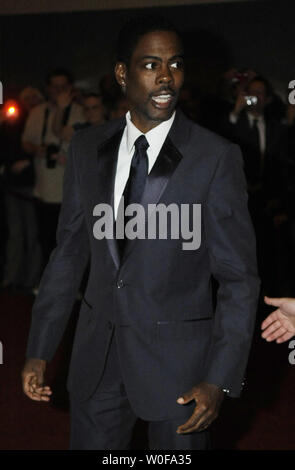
[155, 138]
[49, 181]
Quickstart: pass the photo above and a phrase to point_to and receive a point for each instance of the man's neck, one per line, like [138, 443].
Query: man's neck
[255, 114]
[143, 126]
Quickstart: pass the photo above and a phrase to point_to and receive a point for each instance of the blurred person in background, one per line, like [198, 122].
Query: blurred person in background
[3, 230]
[262, 139]
[29, 98]
[109, 90]
[232, 83]
[49, 152]
[119, 107]
[94, 109]
[94, 115]
[289, 180]
[22, 266]
[190, 102]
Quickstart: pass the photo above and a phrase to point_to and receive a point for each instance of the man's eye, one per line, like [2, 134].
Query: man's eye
[176, 65]
[150, 65]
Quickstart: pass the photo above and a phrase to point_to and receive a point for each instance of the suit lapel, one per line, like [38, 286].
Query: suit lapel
[107, 164]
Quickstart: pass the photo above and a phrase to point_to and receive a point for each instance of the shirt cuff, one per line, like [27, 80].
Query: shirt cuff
[233, 118]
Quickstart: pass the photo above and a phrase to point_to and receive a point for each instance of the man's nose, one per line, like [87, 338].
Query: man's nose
[165, 75]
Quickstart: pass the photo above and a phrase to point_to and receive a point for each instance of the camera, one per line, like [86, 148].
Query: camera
[250, 100]
[51, 149]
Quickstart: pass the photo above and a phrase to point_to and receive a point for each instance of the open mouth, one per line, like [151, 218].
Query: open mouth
[162, 101]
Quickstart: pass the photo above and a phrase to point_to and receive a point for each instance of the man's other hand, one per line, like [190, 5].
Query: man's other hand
[33, 378]
[280, 324]
[208, 398]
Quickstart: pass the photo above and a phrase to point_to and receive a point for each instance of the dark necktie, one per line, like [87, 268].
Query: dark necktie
[255, 154]
[256, 144]
[136, 182]
[255, 135]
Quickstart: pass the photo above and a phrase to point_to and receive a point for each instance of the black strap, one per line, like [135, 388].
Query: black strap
[45, 124]
[66, 114]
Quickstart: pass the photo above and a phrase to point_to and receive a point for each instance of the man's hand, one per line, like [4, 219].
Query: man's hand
[208, 398]
[280, 324]
[240, 103]
[33, 378]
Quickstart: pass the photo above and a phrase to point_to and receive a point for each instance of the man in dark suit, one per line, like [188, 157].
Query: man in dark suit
[262, 139]
[148, 342]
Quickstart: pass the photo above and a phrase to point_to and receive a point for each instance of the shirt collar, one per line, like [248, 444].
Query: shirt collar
[252, 118]
[155, 136]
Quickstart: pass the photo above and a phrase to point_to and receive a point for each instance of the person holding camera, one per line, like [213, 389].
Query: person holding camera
[49, 151]
[261, 137]
[94, 114]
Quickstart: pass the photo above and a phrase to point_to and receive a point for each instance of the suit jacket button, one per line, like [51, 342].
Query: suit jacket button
[120, 284]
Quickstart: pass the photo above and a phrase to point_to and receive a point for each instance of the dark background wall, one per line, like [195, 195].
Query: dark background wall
[252, 34]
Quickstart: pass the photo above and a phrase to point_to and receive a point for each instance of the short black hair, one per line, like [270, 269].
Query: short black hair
[59, 72]
[135, 28]
[266, 83]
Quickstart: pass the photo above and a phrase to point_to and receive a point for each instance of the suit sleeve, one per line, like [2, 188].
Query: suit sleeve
[62, 277]
[232, 252]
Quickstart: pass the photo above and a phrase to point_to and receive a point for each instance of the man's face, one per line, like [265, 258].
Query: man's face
[258, 89]
[153, 79]
[94, 110]
[58, 84]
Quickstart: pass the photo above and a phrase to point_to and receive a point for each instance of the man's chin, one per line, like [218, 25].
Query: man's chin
[159, 115]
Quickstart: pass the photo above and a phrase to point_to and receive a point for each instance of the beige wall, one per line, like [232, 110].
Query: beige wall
[10, 7]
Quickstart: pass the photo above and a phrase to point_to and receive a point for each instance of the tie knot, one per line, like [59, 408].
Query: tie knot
[141, 143]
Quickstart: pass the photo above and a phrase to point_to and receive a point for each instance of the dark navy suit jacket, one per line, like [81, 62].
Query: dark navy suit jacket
[158, 296]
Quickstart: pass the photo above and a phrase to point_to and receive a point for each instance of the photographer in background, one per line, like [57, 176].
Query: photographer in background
[49, 153]
[22, 261]
[262, 139]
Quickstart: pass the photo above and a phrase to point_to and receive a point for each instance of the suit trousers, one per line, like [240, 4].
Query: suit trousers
[106, 420]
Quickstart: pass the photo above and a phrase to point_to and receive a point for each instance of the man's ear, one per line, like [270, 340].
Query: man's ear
[120, 74]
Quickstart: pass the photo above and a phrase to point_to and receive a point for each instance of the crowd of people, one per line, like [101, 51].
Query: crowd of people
[35, 132]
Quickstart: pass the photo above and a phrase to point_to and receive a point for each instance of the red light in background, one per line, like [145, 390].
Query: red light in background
[11, 109]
